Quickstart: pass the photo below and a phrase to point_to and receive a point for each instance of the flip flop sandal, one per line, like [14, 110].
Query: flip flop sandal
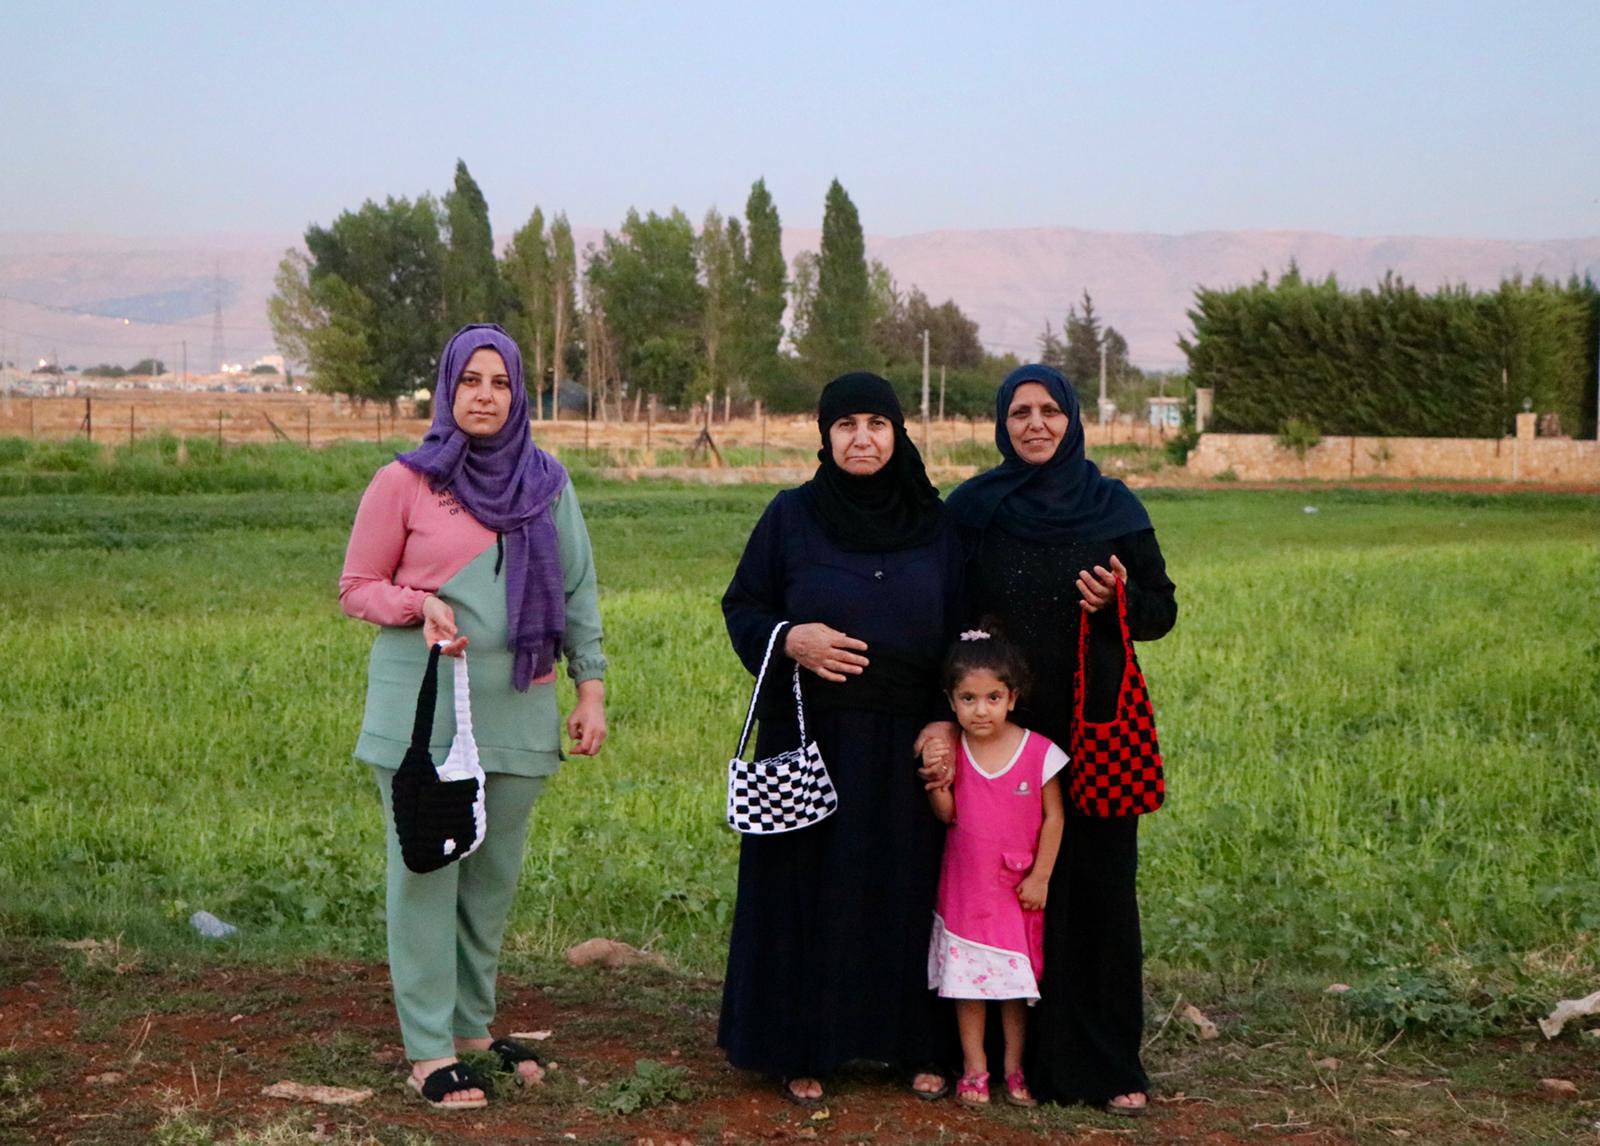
[458, 1076]
[930, 1095]
[798, 1099]
[510, 1053]
[1017, 1092]
[1128, 1111]
[973, 1089]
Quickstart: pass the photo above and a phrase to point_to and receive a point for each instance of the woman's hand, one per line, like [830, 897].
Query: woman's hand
[587, 724]
[830, 654]
[936, 745]
[439, 624]
[1098, 587]
[1032, 892]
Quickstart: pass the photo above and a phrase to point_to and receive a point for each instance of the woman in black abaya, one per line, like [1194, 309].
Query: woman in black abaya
[827, 962]
[1047, 537]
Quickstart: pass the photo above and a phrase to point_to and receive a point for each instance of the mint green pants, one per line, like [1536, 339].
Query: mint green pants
[445, 927]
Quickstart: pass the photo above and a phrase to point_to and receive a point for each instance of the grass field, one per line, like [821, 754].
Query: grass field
[1381, 720]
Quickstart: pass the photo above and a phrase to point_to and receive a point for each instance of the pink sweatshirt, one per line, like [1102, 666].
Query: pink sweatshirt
[407, 541]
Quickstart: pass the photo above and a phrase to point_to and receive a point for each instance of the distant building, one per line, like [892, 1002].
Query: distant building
[1166, 412]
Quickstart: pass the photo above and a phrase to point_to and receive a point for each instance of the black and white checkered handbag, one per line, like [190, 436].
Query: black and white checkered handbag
[781, 793]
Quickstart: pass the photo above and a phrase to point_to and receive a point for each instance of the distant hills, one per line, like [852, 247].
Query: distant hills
[92, 298]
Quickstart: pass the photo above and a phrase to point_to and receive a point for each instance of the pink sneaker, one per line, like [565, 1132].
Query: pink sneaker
[1017, 1092]
[973, 1089]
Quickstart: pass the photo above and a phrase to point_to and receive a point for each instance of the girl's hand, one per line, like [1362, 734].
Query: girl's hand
[1098, 587]
[1032, 892]
[830, 654]
[439, 624]
[587, 724]
[936, 745]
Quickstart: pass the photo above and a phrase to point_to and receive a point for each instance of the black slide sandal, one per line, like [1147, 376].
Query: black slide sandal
[450, 1079]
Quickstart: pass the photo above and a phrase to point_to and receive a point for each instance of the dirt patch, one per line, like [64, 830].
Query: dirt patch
[129, 1052]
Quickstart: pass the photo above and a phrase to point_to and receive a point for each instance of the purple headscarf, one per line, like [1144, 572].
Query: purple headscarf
[508, 484]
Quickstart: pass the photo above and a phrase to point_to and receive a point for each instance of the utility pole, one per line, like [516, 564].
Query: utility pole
[1102, 383]
[218, 348]
[924, 391]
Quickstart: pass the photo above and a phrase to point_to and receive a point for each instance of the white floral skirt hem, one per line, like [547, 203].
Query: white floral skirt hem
[961, 968]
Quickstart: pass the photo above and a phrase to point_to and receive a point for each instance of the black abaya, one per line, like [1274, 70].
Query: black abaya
[1084, 1034]
[827, 962]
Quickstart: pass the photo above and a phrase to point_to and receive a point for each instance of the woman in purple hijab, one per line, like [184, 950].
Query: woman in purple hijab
[474, 538]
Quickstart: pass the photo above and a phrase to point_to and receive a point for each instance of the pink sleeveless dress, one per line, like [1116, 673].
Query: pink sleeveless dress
[984, 945]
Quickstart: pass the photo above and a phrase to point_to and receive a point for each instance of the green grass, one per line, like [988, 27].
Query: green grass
[1380, 722]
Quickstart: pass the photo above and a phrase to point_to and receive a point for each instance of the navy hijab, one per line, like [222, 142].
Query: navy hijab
[1064, 499]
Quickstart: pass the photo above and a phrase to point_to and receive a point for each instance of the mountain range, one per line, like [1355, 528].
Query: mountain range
[84, 299]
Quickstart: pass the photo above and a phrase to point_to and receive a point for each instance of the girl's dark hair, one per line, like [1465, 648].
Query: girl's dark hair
[985, 647]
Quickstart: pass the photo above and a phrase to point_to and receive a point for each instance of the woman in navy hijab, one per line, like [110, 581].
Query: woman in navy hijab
[1047, 537]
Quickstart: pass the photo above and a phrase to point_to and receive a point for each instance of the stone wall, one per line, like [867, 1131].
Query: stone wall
[1258, 457]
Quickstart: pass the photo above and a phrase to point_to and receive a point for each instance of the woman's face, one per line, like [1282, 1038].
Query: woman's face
[483, 394]
[861, 444]
[1036, 423]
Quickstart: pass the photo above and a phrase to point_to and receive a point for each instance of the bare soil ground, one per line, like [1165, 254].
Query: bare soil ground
[103, 1045]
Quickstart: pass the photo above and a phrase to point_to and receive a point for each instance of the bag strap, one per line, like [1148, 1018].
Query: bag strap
[427, 697]
[1083, 649]
[755, 694]
[463, 698]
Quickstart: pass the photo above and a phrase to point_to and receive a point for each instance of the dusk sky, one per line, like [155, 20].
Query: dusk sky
[1454, 119]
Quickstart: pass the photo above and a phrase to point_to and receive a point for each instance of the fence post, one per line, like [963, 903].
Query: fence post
[130, 423]
[308, 427]
[219, 429]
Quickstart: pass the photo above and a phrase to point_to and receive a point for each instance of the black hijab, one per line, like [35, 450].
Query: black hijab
[895, 508]
[1063, 499]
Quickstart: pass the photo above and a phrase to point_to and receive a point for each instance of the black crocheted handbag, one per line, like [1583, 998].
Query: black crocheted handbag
[1116, 764]
[437, 820]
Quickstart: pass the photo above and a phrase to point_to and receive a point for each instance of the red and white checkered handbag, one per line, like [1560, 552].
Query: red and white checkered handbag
[1116, 765]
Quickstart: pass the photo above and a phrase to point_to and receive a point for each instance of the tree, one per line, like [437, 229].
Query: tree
[648, 285]
[721, 271]
[1077, 353]
[364, 309]
[526, 272]
[802, 297]
[759, 326]
[899, 320]
[472, 286]
[1052, 351]
[838, 336]
[563, 299]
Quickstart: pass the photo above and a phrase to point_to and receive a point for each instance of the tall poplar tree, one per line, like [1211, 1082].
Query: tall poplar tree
[760, 323]
[721, 268]
[839, 338]
[472, 287]
[563, 298]
[526, 270]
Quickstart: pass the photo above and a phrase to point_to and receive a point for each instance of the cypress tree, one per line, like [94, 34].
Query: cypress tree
[759, 326]
[841, 322]
[472, 287]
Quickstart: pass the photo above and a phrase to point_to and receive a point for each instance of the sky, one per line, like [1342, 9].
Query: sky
[1458, 119]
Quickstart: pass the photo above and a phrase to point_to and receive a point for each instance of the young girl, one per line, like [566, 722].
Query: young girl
[1005, 816]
